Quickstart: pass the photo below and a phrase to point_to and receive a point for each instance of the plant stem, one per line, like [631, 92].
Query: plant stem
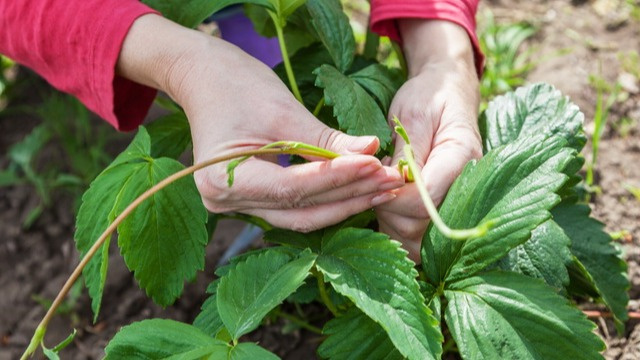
[606, 314]
[296, 320]
[324, 295]
[285, 57]
[457, 234]
[319, 106]
[40, 330]
[371, 44]
[36, 340]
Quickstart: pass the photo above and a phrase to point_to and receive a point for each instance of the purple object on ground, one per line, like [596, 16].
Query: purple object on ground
[238, 30]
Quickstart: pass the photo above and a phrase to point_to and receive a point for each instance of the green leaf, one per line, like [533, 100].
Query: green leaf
[313, 240]
[375, 273]
[164, 339]
[163, 240]
[513, 188]
[295, 239]
[238, 259]
[53, 354]
[148, 237]
[355, 336]
[502, 315]
[533, 109]
[595, 250]
[9, 177]
[306, 293]
[170, 135]
[50, 354]
[254, 287]
[544, 256]
[580, 281]
[98, 211]
[381, 82]
[284, 8]
[334, 30]
[64, 343]
[192, 13]
[356, 111]
[23, 152]
[250, 351]
[208, 320]
[137, 151]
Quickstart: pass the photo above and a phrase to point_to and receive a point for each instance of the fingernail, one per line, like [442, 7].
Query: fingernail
[361, 144]
[382, 198]
[369, 169]
[390, 185]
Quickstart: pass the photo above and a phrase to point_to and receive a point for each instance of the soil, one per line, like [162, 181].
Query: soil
[575, 40]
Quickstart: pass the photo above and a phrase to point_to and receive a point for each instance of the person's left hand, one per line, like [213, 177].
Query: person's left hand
[438, 106]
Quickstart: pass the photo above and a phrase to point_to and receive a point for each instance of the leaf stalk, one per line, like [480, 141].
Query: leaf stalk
[285, 57]
[456, 234]
[324, 295]
[296, 320]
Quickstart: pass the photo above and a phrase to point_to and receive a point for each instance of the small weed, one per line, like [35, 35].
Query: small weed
[607, 96]
[624, 126]
[7, 77]
[63, 152]
[634, 6]
[634, 190]
[630, 62]
[506, 67]
[622, 235]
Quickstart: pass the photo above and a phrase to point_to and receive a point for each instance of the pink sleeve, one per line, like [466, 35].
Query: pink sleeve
[384, 13]
[75, 45]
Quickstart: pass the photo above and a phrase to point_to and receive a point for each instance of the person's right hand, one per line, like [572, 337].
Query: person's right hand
[234, 102]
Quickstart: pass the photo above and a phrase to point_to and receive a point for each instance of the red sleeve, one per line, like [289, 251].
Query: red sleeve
[384, 13]
[75, 45]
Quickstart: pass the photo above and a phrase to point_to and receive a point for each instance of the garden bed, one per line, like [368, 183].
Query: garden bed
[575, 40]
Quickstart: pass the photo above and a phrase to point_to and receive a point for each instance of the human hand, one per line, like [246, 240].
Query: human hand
[438, 106]
[235, 103]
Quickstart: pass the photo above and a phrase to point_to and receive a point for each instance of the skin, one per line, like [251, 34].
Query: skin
[234, 102]
[438, 106]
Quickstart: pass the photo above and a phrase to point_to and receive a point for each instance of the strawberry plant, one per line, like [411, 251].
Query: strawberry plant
[499, 285]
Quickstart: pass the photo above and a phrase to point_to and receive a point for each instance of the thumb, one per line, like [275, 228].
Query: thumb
[344, 144]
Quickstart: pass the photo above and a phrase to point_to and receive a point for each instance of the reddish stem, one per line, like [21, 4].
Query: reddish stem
[607, 314]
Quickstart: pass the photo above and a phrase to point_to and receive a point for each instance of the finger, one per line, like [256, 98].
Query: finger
[407, 203]
[412, 246]
[406, 228]
[317, 217]
[383, 180]
[453, 148]
[446, 162]
[259, 181]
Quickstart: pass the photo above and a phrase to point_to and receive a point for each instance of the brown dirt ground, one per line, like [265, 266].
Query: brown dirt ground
[575, 39]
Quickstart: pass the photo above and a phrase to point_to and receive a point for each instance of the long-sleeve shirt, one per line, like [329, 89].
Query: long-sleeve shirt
[75, 45]
[384, 14]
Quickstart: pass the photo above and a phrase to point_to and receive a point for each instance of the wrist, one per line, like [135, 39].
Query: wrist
[436, 43]
[159, 53]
